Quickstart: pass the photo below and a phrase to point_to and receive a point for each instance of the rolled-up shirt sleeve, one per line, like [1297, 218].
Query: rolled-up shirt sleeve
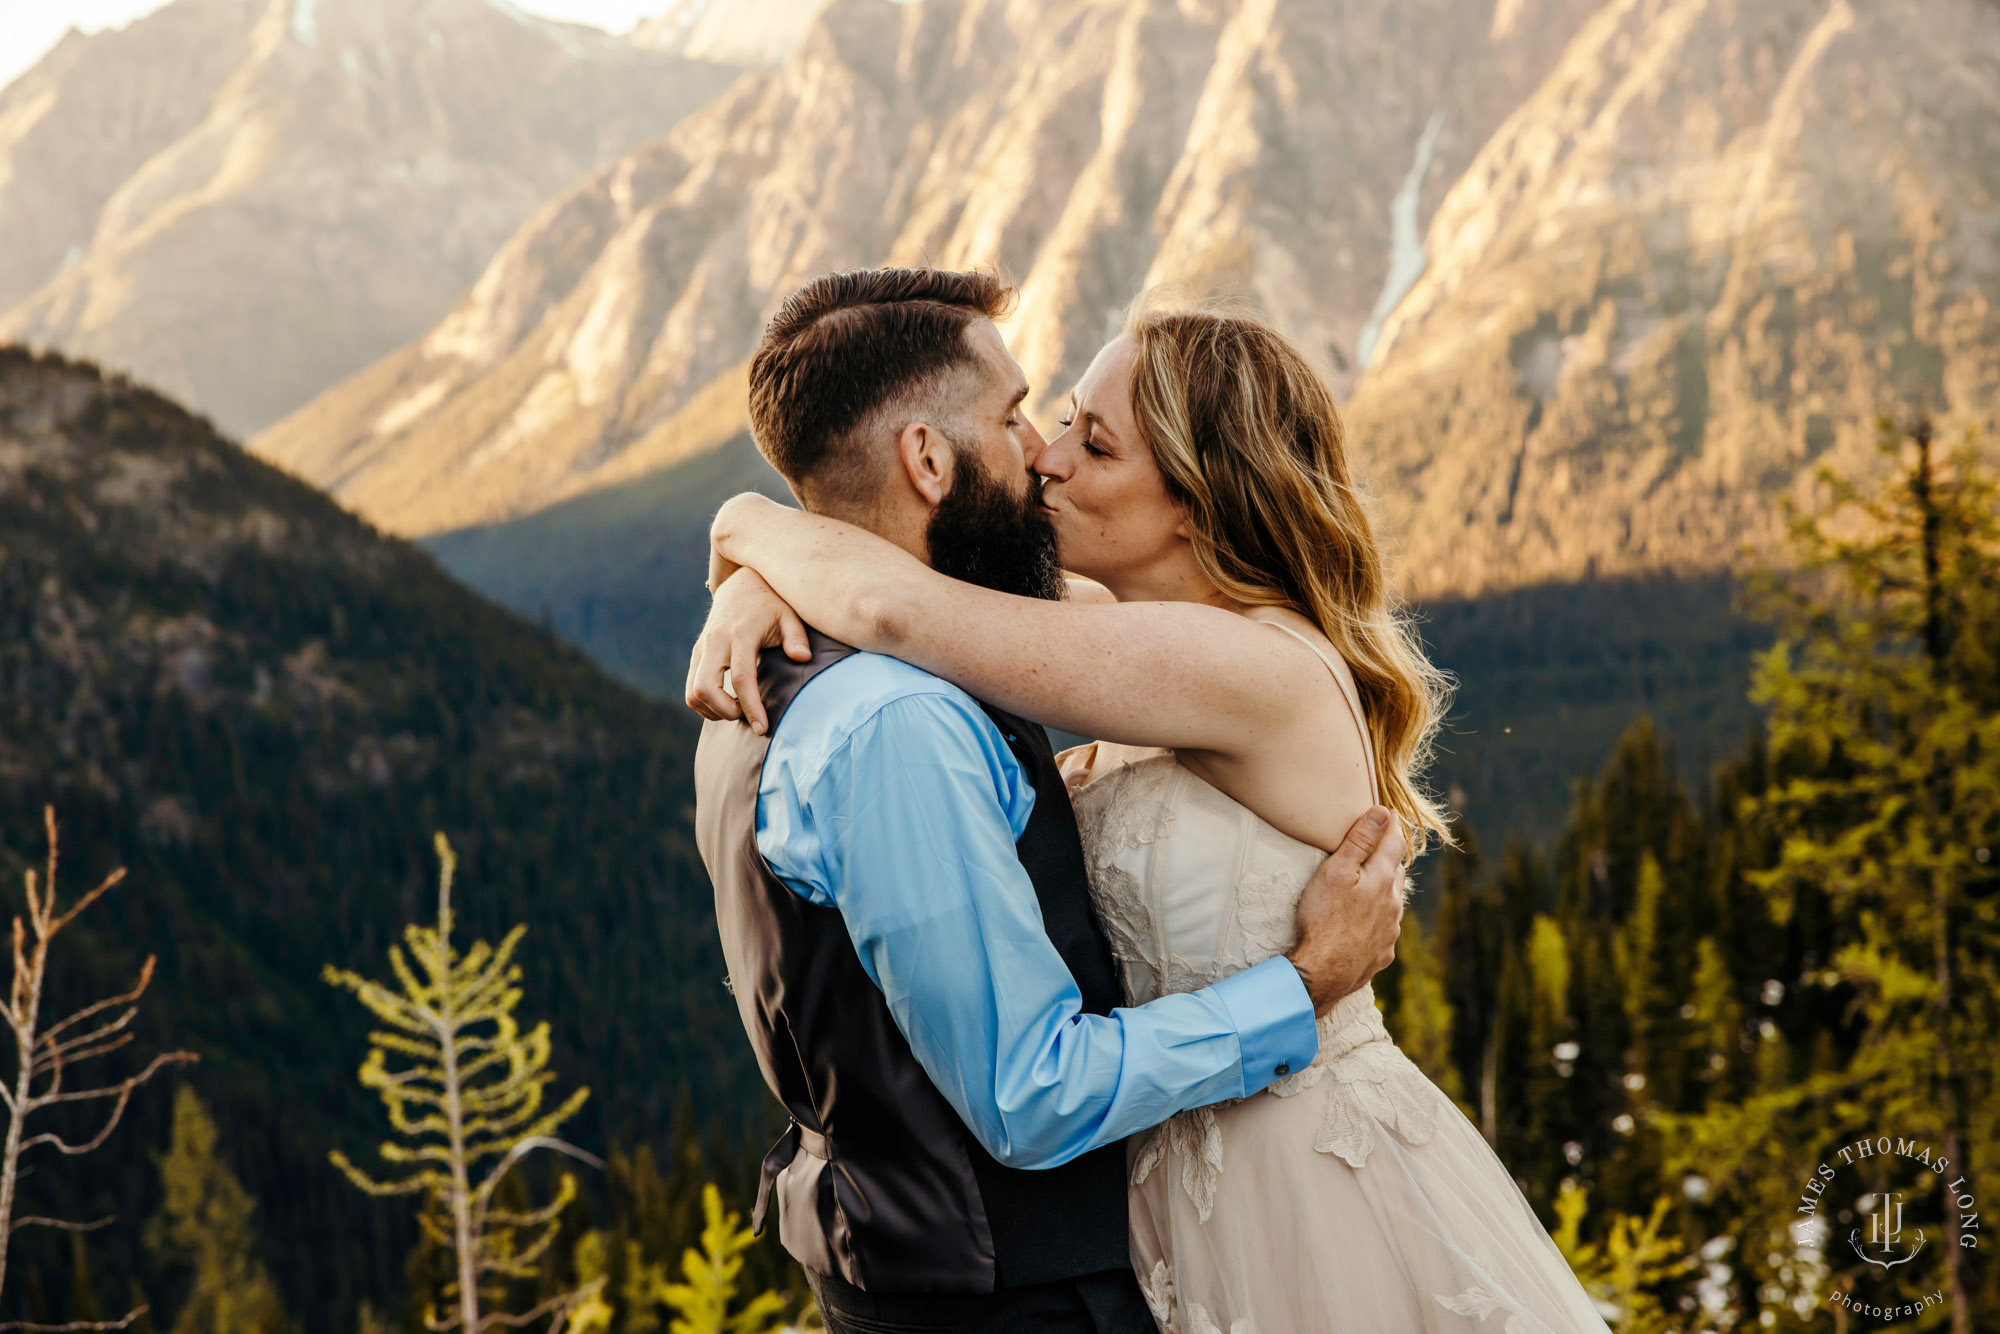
[907, 825]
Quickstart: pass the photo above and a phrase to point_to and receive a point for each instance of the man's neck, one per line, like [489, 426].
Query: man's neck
[900, 524]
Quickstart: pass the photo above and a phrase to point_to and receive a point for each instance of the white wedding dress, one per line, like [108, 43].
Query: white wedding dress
[1351, 1197]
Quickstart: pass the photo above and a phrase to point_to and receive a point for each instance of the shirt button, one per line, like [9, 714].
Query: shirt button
[1282, 1070]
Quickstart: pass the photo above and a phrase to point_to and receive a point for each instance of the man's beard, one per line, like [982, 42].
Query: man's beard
[983, 535]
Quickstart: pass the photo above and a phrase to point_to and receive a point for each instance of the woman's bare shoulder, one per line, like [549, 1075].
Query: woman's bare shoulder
[1315, 639]
[1309, 778]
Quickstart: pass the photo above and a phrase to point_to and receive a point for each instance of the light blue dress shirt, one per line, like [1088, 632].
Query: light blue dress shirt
[888, 794]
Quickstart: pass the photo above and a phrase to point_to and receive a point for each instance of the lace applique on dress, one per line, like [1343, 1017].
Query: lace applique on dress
[1267, 905]
[1158, 1289]
[1371, 1086]
[1126, 814]
[1478, 1302]
[1201, 1322]
[1198, 1139]
[1375, 1086]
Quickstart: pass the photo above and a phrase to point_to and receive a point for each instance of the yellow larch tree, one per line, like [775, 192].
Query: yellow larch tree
[465, 1089]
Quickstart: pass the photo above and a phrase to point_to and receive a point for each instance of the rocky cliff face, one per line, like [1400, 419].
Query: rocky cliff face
[88, 115]
[1693, 267]
[1089, 147]
[244, 201]
[1604, 277]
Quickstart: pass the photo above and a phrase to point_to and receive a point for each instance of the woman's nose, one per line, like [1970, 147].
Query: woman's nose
[1054, 462]
[1033, 446]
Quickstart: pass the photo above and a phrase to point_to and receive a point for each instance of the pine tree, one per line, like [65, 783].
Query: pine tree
[590, 1263]
[467, 1091]
[205, 1223]
[1884, 697]
[712, 1275]
[1475, 941]
[1625, 1271]
[1546, 1142]
[1423, 1015]
[1647, 986]
[1716, 1021]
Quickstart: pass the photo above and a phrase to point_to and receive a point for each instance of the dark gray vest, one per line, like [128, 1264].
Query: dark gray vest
[877, 1179]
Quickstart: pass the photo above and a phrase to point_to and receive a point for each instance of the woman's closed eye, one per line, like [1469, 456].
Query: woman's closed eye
[1090, 445]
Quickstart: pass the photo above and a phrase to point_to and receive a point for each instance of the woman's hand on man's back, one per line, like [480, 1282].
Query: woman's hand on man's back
[745, 618]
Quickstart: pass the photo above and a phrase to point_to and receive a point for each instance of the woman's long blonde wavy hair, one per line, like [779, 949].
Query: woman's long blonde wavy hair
[1250, 445]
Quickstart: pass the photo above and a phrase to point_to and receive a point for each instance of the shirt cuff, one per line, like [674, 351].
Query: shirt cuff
[1276, 1032]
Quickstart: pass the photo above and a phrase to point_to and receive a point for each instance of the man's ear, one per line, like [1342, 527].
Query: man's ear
[926, 459]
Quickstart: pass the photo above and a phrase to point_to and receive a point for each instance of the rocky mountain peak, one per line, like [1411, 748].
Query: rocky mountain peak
[1088, 147]
[243, 201]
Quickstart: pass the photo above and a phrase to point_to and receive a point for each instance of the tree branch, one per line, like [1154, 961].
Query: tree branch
[62, 1224]
[578, 1298]
[93, 896]
[121, 1024]
[66, 1055]
[109, 1002]
[521, 1263]
[522, 1149]
[516, 1321]
[122, 1092]
[129, 1317]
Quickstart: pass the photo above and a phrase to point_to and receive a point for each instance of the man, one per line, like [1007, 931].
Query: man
[901, 893]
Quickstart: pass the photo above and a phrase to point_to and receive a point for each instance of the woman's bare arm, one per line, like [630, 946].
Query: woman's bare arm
[1174, 674]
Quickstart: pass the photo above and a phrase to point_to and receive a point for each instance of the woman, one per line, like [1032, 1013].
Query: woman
[1254, 693]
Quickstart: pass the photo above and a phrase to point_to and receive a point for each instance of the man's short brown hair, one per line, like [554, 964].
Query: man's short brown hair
[843, 347]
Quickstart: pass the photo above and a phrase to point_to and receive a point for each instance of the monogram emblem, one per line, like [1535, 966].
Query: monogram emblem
[1885, 1231]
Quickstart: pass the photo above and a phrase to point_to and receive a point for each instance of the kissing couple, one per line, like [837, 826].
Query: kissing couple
[1082, 1042]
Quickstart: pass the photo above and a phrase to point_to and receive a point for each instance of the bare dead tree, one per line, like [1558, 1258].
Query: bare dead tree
[45, 1054]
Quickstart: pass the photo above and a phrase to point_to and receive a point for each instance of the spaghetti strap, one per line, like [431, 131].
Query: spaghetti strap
[1353, 706]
